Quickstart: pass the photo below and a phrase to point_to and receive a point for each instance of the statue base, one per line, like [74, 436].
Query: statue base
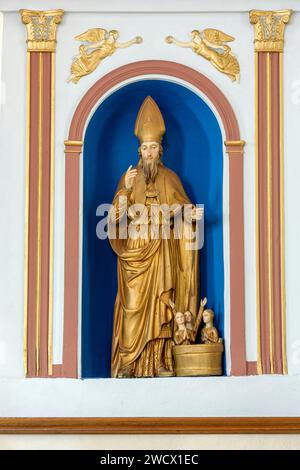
[198, 359]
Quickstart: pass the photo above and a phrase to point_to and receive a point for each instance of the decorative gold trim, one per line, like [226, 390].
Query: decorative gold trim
[270, 221]
[51, 235]
[156, 425]
[258, 326]
[235, 147]
[238, 152]
[282, 235]
[73, 142]
[269, 29]
[235, 143]
[41, 29]
[26, 230]
[39, 217]
[78, 152]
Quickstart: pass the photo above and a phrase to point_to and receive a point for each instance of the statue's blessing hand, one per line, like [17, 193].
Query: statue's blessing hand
[129, 177]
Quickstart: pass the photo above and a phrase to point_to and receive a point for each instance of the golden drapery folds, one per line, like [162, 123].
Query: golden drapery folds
[150, 272]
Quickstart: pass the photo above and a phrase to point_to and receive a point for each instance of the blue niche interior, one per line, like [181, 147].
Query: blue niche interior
[193, 149]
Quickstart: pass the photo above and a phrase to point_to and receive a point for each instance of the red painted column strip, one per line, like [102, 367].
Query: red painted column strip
[41, 44]
[268, 335]
[275, 86]
[33, 204]
[237, 291]
[71, 261]
[263, 212]
[269, 47]
[45, 213]
[45, 222]
[251, 368]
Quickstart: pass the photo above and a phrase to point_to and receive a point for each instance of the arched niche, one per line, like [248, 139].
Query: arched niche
[193, 148]
[83, 122]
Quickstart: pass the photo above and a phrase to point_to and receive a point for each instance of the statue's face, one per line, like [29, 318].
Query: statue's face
[207, 316]
[179, 317]
[188, 316]
[150, 151]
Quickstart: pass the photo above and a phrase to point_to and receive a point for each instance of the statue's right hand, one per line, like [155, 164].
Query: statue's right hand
[129, 177]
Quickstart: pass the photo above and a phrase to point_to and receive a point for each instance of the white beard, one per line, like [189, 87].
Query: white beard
[150, 169]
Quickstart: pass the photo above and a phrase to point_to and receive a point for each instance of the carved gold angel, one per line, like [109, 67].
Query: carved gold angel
[98, 44]
[210, 44]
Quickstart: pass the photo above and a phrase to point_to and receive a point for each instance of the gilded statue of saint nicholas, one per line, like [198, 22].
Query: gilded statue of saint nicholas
[153, 269]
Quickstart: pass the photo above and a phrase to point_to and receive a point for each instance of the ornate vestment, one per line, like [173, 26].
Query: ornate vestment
[150, 272]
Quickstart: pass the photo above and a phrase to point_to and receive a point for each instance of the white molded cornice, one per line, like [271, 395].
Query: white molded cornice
[149, 6]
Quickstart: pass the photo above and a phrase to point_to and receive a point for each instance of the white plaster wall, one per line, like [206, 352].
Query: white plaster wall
[240, 396]
[153, 442]
[176, 396]
[151, 5]
[1, 39]
[12, 196]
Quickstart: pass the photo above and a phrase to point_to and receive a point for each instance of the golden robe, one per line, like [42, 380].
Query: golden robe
[150, 272]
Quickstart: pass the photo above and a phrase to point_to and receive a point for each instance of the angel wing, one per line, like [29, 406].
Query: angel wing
[216, 37]
[92, 35]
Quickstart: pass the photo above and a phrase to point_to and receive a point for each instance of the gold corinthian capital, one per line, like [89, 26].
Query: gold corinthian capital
[269, 29]
[41, 29]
